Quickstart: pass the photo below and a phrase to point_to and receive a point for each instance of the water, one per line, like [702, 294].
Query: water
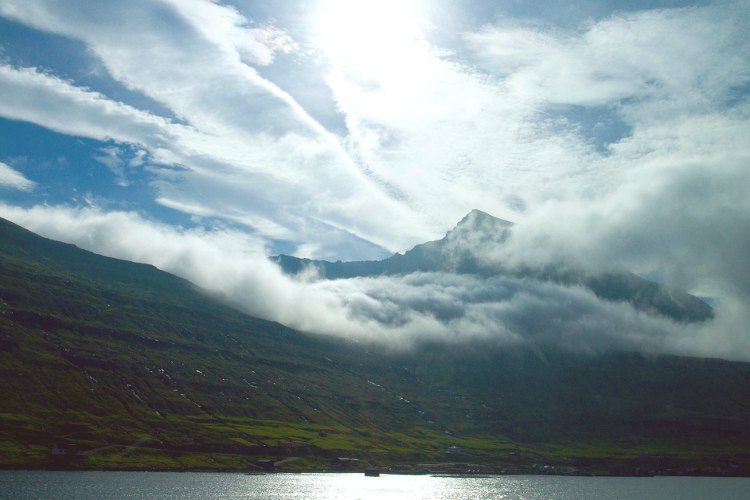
[196, 485]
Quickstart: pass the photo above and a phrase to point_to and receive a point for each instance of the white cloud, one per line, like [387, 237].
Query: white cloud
[51, 102]
[453, 139]
[10, 178]
[649, 55]
[230, 30]
[263, 43]
[110, 158]
[394, 311]
[182, 54]
[430, 135]
[446, 137]
[298, 183]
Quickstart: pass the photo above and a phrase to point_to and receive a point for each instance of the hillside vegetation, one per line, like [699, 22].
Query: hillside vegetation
[122, 366]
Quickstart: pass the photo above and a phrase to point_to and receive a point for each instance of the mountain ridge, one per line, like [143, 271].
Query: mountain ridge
[456, 252]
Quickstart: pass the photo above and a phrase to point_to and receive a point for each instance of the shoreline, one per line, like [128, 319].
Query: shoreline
[478, 475]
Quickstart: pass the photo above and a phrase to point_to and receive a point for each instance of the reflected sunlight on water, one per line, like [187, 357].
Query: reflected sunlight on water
[195, 485]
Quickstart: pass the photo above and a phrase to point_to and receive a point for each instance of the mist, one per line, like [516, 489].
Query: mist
[398, 312]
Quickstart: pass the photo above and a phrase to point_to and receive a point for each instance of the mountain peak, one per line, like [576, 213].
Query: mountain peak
[477, 221]
[478, 218]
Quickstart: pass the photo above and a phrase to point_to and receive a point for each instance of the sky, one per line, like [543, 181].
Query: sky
[202, 136]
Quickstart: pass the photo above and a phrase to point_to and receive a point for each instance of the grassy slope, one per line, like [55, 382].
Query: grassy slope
[141, 370]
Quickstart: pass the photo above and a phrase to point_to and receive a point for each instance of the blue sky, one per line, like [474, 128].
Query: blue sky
[613, 133]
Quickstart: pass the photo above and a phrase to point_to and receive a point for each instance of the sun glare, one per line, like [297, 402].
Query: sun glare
[368, 36]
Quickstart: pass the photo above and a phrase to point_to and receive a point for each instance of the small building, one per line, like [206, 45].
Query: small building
[68, 450]
[346, 463]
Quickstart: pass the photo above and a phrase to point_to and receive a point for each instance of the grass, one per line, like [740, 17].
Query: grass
[143, 371]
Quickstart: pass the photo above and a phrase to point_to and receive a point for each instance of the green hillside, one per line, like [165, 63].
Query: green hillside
[124, 366]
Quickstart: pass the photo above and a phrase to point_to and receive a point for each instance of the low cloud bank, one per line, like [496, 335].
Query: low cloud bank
[395, 311]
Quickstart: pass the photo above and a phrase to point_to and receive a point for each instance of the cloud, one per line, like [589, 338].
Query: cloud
[110, 158]
[262, 44]
[423, 145]
[10, 178]
[398, 312]
[58, 105]
[432, 133]
[237, 128]
[500, 134]
[182, 54]
[642, 57]
[306, 186]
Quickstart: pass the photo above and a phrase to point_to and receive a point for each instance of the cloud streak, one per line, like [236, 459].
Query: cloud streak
[10, 178]
[241, 130]
[225, 175]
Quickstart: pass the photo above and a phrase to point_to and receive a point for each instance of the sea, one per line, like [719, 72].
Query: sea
[199, 485]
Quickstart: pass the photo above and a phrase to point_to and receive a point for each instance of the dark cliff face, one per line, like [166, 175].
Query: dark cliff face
[459, 252]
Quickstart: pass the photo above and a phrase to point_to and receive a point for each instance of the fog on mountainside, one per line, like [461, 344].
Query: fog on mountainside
[460, 287]
[455, 290]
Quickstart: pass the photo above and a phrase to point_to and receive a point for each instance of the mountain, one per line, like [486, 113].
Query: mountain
[451, 253]
[117, 365]
[460, 252]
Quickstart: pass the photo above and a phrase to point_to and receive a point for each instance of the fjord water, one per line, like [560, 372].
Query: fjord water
[196, 485]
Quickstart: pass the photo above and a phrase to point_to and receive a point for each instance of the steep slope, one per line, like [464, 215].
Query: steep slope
[136, 368]
[102, 352]
[460, 252]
